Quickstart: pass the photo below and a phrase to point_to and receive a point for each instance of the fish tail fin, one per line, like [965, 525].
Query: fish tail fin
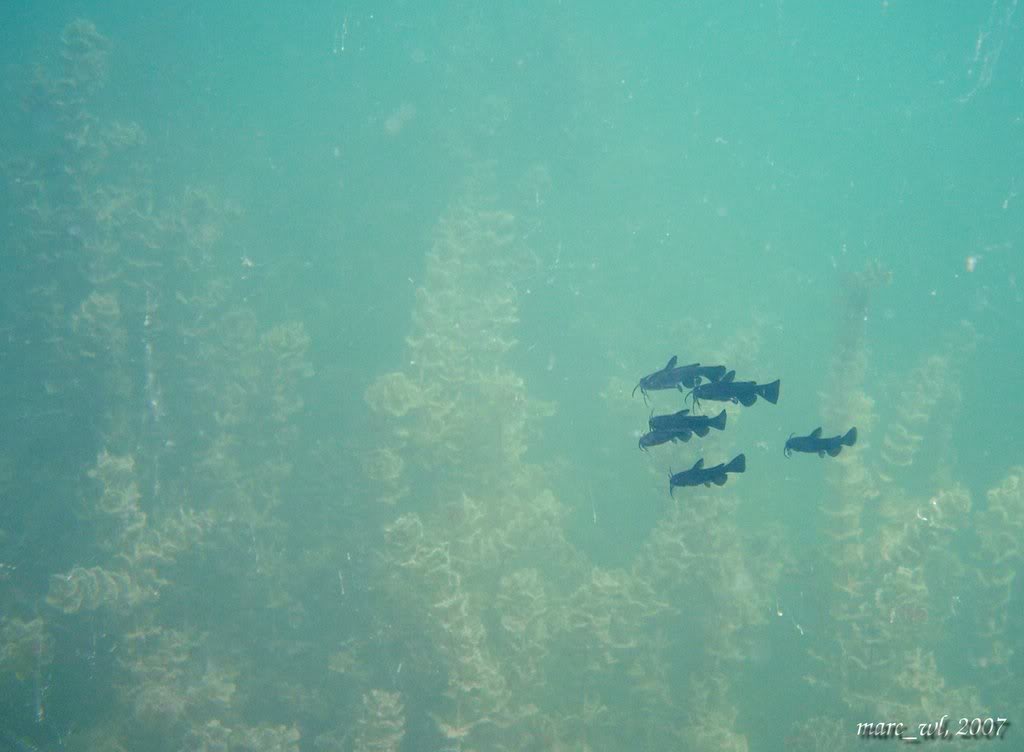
[850, 438]
[715, 374]
[718, 421]
[770, 392]
[738, 464]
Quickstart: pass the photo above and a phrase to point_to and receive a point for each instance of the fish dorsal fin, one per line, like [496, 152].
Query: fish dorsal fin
[729, 376]
[671, 363]
[698, 464]
[816, 433]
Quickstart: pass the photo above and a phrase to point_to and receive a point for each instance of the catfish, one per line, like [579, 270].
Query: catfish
[727, 389]
[699, 424]
[676, 377]
[655, 437]
[698, 475]
[814, 443]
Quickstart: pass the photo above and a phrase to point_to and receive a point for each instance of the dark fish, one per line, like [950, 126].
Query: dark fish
[814, 443]
[729, 390]
[676, 377]
[698, 475]
[655, 437]
[699, 424]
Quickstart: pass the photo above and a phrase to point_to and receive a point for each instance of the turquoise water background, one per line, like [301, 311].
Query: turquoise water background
[711, 181]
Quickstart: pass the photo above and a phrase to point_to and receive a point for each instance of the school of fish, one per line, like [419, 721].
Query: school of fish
[718, 384]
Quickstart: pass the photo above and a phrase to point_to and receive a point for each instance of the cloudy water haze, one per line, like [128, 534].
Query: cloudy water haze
[333, 338]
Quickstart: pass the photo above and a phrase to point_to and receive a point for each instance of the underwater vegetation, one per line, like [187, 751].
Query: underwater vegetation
[235, 581]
